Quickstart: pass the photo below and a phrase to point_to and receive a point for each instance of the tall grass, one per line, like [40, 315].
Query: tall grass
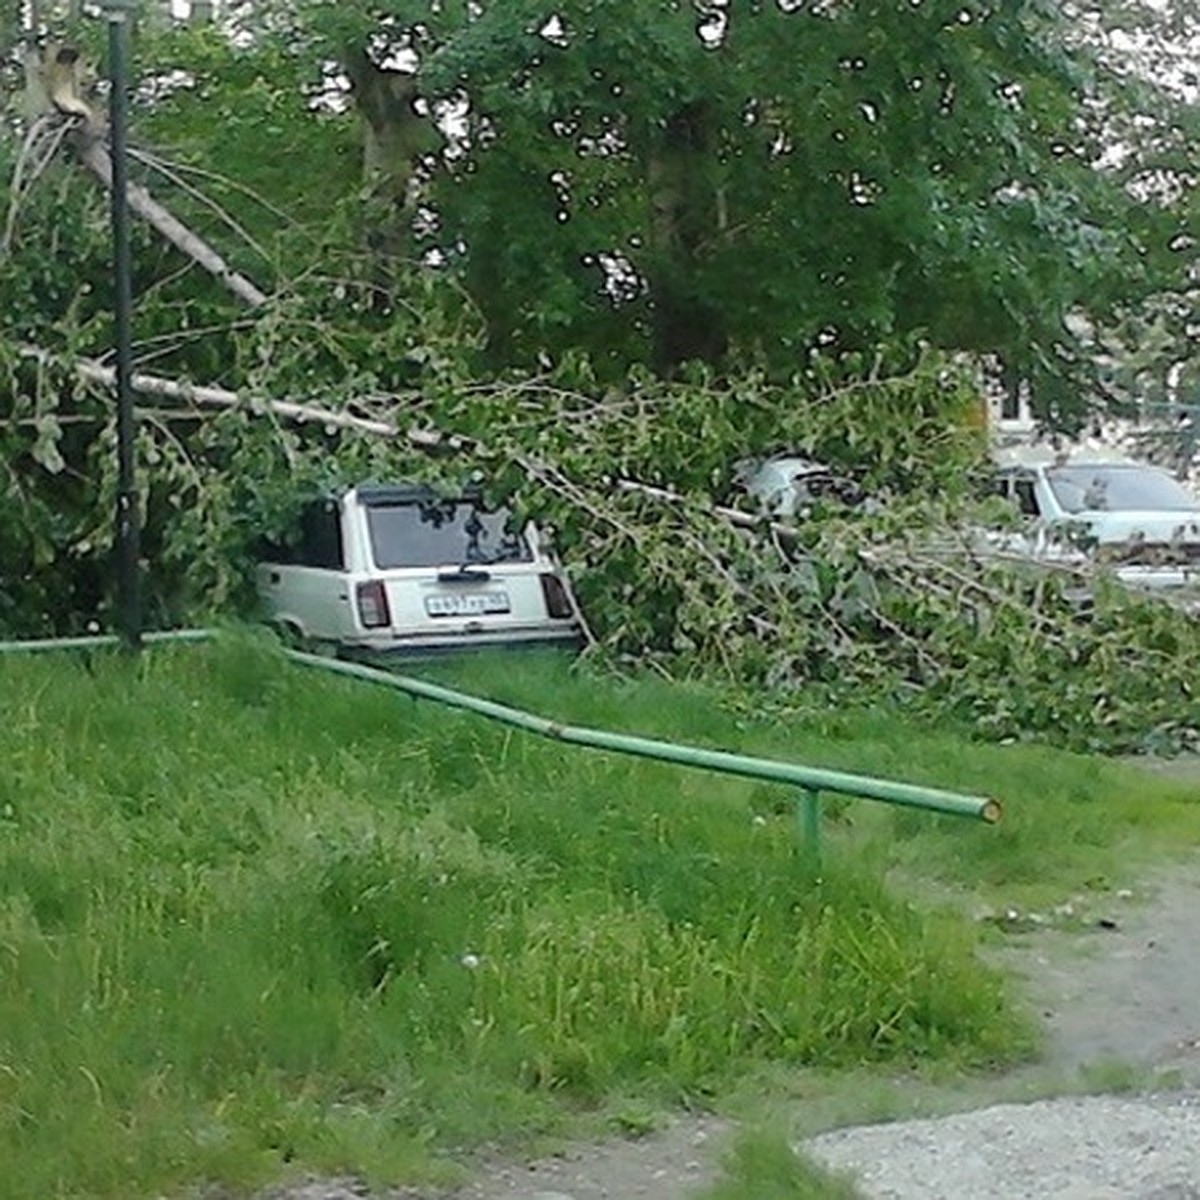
[1071, 821]
[255, 920]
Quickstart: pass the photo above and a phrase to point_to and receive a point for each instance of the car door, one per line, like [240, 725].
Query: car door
[310, 591]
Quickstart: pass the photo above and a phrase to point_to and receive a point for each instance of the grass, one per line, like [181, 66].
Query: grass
[763, 1164]
[255, 920]
[1072, 823]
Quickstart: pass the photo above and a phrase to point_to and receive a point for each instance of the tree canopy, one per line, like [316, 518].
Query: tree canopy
[650, 181]
[657, 181]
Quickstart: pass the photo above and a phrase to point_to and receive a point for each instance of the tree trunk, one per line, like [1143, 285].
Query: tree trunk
[394, 134]
[685, 214]
[94, 155]
[58, 83]
[215, 397]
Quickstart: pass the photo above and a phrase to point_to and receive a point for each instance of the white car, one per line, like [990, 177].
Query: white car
[396, 567]
[1092, 506]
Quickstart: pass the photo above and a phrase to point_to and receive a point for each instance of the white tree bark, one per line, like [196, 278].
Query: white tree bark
[94, 155]
[215, 397]
[421, 439]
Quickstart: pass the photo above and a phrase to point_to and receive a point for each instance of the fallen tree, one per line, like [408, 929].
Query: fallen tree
[326, 381]
[94, 154]
[885, 604]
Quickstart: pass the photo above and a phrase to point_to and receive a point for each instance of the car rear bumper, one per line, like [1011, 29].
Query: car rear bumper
[1157, 578]
[569, 637]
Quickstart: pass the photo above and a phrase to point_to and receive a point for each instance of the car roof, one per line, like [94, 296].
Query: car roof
[778, 470]
[1033, 455]
[793, 462]
[407, 491]
[380, 495]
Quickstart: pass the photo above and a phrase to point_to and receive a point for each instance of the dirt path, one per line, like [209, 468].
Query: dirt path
[670, 1165]
[1124, 996]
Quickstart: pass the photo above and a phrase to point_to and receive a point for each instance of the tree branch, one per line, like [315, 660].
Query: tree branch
[215, 397]
[94, 155]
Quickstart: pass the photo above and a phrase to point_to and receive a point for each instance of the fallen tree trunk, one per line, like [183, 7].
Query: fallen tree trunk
[205, 396]
[215, 397]
[429, 440]
[94, 155]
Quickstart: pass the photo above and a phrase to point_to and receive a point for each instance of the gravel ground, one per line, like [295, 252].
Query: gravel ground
[1120, 1001]
[1083, 1148]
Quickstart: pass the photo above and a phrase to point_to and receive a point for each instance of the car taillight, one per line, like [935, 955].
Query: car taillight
[558, 603]
[373, 604]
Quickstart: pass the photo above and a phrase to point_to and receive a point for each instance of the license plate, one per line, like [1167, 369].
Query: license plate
[467, 604]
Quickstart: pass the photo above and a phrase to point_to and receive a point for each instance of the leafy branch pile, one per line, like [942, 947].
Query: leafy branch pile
[890, 602]
[885, 603]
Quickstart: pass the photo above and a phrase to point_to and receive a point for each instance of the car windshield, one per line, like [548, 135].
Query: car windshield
[1108, 487]
[437, 534]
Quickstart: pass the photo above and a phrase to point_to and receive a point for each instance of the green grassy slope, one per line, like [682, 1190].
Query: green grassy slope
[256, 920]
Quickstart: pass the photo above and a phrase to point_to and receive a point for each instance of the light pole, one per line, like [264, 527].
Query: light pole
[118, 14]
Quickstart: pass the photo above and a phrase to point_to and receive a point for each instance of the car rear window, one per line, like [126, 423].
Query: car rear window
[434, 535]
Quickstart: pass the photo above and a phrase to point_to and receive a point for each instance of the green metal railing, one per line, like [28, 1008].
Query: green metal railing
[810, 781]
[99, 641]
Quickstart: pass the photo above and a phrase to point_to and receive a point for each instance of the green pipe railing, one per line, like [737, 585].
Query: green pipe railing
[98, 641]
[811, 781]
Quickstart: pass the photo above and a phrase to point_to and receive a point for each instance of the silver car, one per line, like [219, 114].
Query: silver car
[400, 567]
[786, 484]
[1095, 506]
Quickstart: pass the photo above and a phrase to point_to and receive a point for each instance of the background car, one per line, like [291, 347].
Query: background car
[1095, 506]
[785, 484]
[399, 567]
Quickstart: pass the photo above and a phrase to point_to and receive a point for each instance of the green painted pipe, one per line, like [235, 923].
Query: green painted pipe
[814, 779]
[99, 640]
[808, 810]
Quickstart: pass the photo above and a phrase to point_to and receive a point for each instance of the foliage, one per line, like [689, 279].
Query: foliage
[254, 922]
[789, 175]
[1147, 135]
[240, 128]
[882, 605]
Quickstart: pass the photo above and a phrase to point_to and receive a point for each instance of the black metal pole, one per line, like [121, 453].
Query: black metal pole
[129, 598]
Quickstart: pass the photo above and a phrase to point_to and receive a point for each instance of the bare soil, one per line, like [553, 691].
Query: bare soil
[1126, 993]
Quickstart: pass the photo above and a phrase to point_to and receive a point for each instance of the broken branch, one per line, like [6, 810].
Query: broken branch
[94, 155]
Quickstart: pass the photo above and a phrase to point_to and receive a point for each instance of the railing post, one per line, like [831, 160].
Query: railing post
[808, 814]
